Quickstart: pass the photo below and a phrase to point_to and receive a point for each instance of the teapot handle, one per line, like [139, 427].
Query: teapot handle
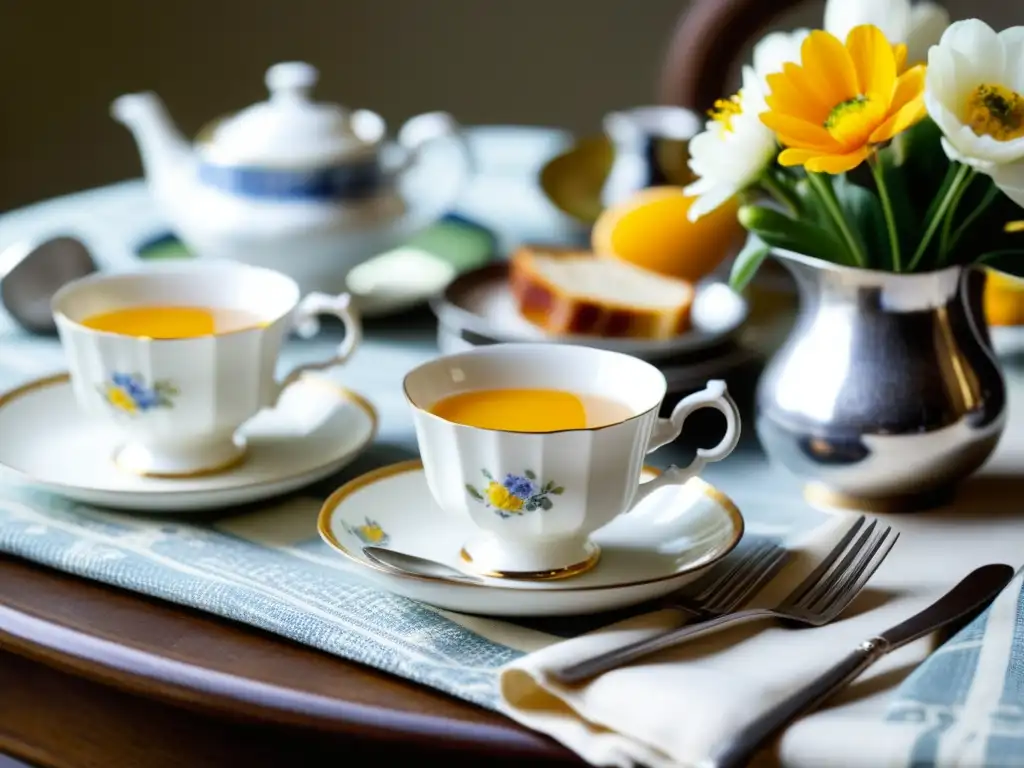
[441, 183]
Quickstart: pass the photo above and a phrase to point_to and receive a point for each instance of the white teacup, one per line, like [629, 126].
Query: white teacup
[180, 402]
[591, 475]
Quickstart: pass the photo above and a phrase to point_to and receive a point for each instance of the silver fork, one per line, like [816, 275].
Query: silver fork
[733, 587]
[817, 600]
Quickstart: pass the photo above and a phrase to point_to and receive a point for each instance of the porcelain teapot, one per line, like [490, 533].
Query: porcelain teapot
[307, 188]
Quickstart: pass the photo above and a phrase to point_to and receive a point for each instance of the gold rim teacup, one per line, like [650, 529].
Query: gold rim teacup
[178, 403]
[535, 497]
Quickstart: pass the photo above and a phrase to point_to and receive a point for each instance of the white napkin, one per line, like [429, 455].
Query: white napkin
[675, 708]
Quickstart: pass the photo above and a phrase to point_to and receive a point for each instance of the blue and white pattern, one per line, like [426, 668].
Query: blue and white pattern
[967, 700]
[353, 181]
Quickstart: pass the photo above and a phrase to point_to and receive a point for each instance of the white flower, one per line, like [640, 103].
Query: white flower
[777, 49]
[919, 25]
[736, 148]
[974, 91]
[733, 151]
[1010, 179]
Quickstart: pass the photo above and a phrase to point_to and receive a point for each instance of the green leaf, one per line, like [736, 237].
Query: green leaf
[811, 205]
[558, 491]
[473, 492]
[548, 486]
[779, 231]
[545, 503]
[748, 261]
[1009, 262]
[919, 149]
[530, 506]
[863, 210]
[486, 474]
[529, 474]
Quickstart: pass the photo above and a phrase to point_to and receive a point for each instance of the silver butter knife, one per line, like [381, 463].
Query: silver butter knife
[974, 592]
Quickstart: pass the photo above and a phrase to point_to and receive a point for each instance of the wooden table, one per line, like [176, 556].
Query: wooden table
[97, 677]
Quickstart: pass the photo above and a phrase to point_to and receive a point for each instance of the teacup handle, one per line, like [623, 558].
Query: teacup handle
[307, 324]
[714, 395]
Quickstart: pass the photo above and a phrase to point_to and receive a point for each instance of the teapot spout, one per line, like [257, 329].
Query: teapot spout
[165, 153]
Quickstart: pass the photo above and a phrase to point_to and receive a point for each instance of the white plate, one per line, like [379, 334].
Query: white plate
[666, 542]
[481, 303]
[317, 428]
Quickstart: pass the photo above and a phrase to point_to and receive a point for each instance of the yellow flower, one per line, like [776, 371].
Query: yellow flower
[120, 399]
[371, 532]
[840, 101]
[500, 497]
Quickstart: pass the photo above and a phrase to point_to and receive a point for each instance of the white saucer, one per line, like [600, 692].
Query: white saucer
[666, 542]
[317, 428]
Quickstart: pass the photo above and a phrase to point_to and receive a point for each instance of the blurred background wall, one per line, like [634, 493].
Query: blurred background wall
[546, 62]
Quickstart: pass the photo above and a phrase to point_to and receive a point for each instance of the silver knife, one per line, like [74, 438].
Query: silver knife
[974, 592]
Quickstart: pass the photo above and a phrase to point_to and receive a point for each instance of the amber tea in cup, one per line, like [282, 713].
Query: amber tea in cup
[170, 322]
[530, 410]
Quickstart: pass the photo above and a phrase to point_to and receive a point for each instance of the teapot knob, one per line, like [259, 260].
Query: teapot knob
[291, 79]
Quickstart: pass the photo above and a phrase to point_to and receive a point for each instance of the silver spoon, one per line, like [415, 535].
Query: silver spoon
[31, 272]
[413, 565]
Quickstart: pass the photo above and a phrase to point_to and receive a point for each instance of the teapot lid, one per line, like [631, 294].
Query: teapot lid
[290, 130]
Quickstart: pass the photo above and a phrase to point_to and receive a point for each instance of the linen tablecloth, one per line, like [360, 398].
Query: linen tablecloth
[268, 568]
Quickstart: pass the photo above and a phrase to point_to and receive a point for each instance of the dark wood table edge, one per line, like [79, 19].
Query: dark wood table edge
[200, 688]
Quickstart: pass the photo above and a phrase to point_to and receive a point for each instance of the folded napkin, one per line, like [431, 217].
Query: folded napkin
[675, 708]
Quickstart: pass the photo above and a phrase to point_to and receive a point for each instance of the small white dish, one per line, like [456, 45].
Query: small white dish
[398, 280]
[480, 304]
[317, 428]
[666, 542]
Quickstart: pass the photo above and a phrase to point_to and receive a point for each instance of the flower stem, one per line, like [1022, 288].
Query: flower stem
[890, 217]
[827, 195]
[781, 193]
[990, 195]
[945, 244]
[940, 213]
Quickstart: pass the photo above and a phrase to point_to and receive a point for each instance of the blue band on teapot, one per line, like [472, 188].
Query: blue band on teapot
[353, 181]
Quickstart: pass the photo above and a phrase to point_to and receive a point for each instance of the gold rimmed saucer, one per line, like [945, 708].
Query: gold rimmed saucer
[565, 572]
[316, 429]
[671, 538]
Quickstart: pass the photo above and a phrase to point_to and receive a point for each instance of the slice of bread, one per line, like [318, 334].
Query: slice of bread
[576, 292]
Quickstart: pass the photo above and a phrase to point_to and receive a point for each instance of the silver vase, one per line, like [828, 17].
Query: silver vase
[887, 393]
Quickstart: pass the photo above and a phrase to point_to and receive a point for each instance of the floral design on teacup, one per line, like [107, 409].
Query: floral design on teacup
[369, 532]
[129, 394]
[515, 494]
